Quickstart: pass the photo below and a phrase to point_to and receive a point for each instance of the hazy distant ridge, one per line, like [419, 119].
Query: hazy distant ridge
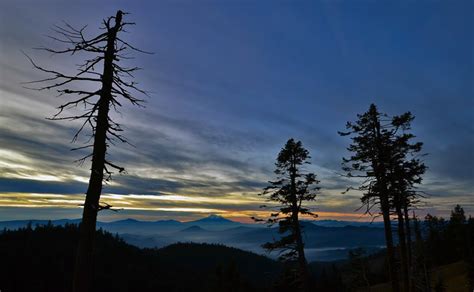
[325, 239]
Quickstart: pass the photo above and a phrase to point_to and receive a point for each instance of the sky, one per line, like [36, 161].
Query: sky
[230, 82]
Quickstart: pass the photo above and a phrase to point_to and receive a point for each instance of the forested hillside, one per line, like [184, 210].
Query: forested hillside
[41, 259]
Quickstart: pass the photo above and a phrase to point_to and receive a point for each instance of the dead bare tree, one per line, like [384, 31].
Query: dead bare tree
[112, 84]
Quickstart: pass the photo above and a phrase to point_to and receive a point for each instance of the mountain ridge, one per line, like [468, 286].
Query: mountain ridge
[323, 241]
[208, 219]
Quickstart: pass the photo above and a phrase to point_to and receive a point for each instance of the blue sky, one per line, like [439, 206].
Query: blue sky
[231, 81]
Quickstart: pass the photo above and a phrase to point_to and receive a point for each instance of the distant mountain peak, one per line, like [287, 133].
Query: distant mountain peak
[213, 218]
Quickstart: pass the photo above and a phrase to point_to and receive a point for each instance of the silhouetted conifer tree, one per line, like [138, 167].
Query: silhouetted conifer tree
[458, 216]
[292, 190]
[435, 228]
[456, 232]
[108, 49]
[371, 141]
[391, 167]
[405, 172]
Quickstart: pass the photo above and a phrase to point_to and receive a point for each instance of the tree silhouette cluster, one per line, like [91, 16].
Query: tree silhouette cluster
[390, 167]
[441, 242]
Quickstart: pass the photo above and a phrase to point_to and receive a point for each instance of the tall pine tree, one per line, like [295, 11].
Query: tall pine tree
[370, 161]
[406, 170]
[291, 192]
[389, 163]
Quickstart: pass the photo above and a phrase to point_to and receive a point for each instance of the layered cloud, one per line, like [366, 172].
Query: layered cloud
[227, 94]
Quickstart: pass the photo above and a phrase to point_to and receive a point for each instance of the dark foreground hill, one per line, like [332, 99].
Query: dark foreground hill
[41, 259]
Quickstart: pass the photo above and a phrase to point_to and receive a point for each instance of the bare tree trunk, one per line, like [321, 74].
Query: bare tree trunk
[403, 247]
[84, 258]
[380, 168]
[409, 245]
[303, 264]
[389, 243]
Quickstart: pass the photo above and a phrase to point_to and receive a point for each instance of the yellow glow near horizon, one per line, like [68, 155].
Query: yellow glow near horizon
[180, 209]
[191, 202]
[190, 206]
